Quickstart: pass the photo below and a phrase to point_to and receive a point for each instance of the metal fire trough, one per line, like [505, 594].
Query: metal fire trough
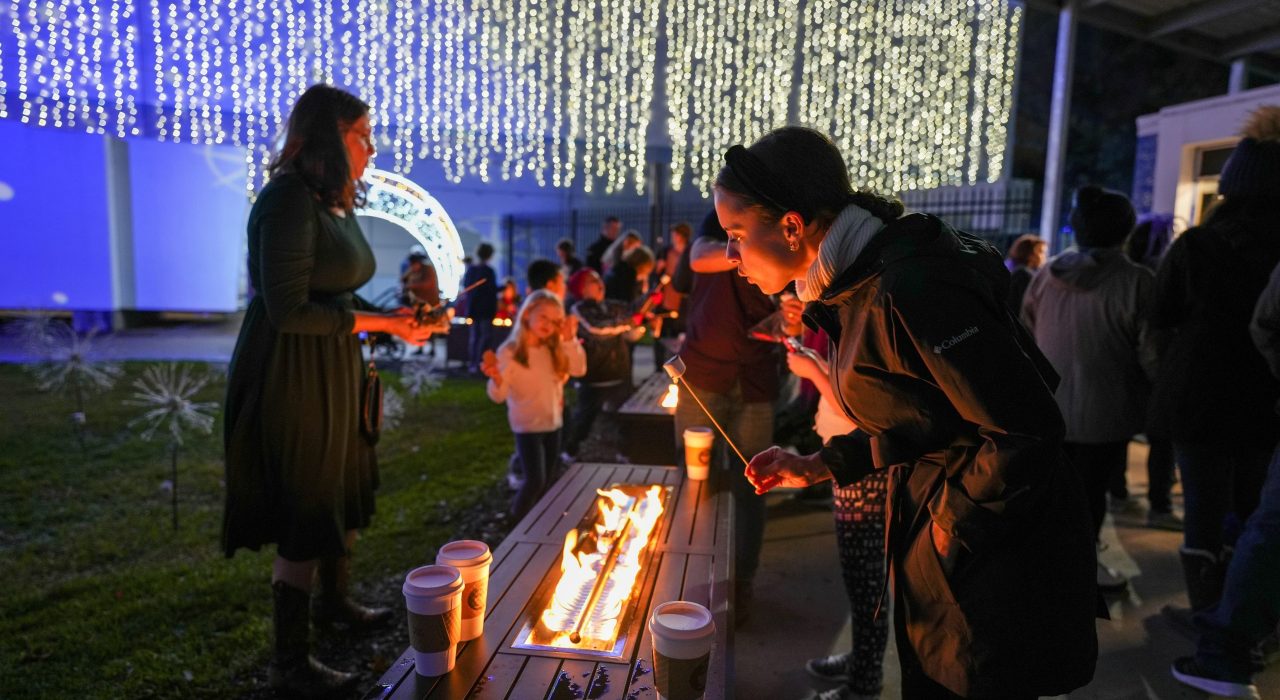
[686, 557]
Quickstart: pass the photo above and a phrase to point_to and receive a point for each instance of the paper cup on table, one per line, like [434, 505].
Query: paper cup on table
[682, 635]
[697, 452]
[472, 558]
[433, 595]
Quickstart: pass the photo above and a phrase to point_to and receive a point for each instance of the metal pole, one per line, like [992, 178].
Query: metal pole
[1239, 81]
[1059, 121]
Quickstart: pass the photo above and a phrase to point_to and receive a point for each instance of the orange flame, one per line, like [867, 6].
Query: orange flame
[672, 396]
[581, 569]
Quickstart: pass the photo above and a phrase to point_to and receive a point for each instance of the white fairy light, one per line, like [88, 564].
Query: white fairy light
[68, 361]
[917, 95]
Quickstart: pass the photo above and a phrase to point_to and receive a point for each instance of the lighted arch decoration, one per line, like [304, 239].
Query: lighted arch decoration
[396, 199]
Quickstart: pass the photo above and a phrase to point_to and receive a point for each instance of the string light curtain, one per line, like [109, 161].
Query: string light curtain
[729, 75]
[917, 94]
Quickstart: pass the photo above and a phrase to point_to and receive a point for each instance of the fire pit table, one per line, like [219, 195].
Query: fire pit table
[551, 629]
[646, 422]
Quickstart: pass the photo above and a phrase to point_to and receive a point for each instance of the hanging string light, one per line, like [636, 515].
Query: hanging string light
[917, 93]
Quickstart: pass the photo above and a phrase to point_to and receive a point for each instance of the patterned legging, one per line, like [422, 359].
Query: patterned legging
[860, 523]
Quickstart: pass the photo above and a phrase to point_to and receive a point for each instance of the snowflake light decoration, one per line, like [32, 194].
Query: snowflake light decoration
[392, 409]
[419, 381]
[166, 391]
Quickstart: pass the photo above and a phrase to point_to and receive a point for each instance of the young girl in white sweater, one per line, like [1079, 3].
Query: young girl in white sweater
[529, 372]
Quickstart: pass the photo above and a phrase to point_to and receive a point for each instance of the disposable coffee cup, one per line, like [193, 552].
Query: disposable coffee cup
[697, 452]
[682, 635]
[472, 558]
[433, 595]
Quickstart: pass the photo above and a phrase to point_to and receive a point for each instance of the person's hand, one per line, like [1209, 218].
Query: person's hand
[569, 327]
[489, 366]
[946, 546]
[406, 326]
[791, 309]
[803, 366]
[776, 467]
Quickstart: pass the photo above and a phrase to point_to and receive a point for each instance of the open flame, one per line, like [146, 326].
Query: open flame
[672, 396]
[599, 571]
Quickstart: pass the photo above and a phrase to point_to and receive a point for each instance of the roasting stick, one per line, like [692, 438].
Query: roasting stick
[676, 369]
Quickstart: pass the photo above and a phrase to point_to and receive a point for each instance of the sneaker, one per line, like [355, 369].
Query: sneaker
[567, 458]
[1164, 521]
[833, 669]
[841, 693]
[1188, 672]
[1109, 581]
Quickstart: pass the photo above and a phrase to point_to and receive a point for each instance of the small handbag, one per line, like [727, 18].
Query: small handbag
[371, 405]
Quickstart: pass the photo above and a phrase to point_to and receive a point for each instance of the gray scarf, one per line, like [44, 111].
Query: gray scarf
[848, 235]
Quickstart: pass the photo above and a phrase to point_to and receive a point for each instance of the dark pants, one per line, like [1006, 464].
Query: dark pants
[750, 426]
[1250, 606]
[592, 399]
[1095, 464]
[481, 340]
[539, 455]
[1160, 475]
[1220, 487]
[860, 523]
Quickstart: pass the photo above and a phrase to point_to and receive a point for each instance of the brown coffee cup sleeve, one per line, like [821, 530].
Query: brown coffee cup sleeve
[434, 633]
[681, 679]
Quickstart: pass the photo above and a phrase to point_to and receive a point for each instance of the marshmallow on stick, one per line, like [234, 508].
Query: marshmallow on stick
[675, 369]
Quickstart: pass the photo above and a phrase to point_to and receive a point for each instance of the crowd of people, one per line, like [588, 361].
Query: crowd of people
[975, 410]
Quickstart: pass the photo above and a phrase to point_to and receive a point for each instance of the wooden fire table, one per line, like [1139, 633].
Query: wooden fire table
[689, 560]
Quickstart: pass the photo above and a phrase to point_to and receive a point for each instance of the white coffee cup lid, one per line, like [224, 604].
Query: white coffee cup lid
[681, 619]
[464, 553]
[432, 580]
[697, 430]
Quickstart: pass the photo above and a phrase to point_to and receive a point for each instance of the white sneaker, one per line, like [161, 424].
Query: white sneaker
[841, 693]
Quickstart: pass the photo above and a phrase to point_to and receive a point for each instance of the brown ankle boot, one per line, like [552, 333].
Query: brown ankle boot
[336, 605]
[293, 671]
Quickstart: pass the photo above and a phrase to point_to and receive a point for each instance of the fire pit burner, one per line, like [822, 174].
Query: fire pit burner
[589, 606]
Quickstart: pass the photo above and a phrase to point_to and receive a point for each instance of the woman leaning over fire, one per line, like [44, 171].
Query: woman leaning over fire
[989, 534]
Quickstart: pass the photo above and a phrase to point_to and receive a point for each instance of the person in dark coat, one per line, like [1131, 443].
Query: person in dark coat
[1231, 631]
[1214, 392]
[482, 304]
[1146, 246]
[1026, 255]
[989, 533]
[299, 472]
[609, 231]
[625, 281]
[1087, 310]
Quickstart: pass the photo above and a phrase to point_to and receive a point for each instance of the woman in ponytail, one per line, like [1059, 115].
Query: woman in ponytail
[989, 533]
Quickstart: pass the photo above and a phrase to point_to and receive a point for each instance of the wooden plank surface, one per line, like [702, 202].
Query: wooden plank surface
[691, 561]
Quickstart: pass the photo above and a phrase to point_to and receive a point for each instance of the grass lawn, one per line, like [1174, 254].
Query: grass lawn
[100, 597]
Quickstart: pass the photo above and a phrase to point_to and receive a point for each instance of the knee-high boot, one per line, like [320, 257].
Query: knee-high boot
[293, 670]
[336, 605]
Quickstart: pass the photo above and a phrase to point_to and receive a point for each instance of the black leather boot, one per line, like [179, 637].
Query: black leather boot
[293, 671]
[336, 606]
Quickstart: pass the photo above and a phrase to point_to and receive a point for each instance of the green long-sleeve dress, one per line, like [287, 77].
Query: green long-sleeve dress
[299, 473]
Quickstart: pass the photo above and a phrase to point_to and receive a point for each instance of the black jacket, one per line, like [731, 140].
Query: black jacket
[952, 395]
[603, 330]
[1213, 385]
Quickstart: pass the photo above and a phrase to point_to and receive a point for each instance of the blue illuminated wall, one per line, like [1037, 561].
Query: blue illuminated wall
[188, 209]
[55, 241]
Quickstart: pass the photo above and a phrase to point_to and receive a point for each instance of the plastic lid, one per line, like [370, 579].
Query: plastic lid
[433, 580]
[681, 619]
[464, 553]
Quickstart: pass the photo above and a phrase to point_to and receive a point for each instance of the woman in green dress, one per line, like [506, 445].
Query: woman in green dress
[299, 472]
